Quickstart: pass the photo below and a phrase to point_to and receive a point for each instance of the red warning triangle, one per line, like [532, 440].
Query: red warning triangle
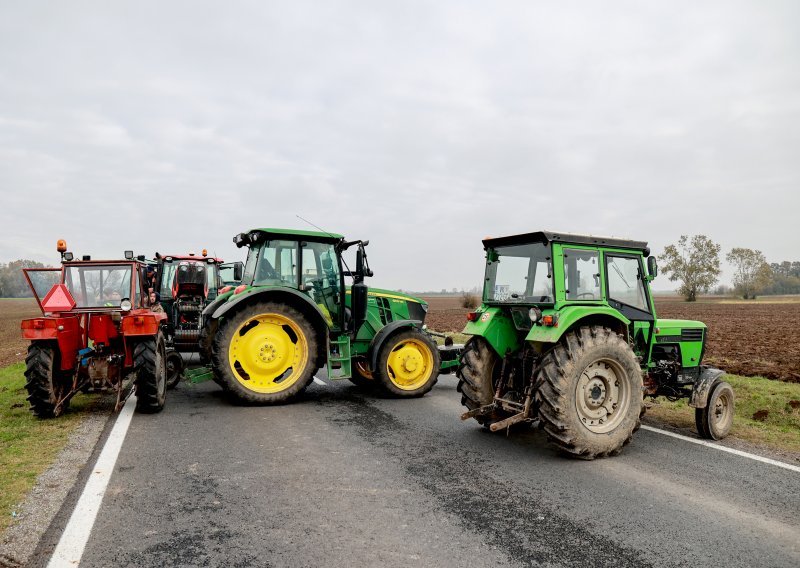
[58, 299]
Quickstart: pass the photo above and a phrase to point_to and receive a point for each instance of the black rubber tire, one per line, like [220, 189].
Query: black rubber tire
[558, 376]
[149, 363]
[45, 383]
[174, 363]
[708, 425]
[206, 347]
[222, 339]
[478, 370]
[381, 374]
[361, 380]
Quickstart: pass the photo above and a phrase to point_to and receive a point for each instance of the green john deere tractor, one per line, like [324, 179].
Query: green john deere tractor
[567, 337]
[292, 314]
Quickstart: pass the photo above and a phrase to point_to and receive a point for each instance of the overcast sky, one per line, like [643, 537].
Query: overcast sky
[422, 126]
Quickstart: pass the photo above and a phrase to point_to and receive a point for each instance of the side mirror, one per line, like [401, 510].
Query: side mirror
[652, 266]
[238, 271]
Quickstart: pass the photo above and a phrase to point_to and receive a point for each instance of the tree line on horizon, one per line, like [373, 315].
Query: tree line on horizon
[12, 280]
[695, 263]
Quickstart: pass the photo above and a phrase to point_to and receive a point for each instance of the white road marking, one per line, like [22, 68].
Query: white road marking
[70, 547]
[319, 381]
[724, 449]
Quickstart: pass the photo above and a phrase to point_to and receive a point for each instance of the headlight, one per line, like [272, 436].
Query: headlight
[126, 305]
[535, 314]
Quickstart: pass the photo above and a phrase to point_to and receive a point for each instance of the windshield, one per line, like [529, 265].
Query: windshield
[97, 286]
[519, 273]
[193, 276]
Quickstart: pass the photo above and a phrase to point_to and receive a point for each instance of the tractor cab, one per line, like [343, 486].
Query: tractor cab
[310, 263]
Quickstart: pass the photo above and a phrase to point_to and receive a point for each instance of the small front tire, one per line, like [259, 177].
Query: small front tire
[714, 422]
[408, 364]
[174, 363]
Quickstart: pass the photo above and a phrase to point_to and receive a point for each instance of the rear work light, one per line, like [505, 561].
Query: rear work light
[472, 316]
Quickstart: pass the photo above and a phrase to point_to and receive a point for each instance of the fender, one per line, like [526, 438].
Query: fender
[216, 303]
[496, 328]
[258, 293]
[567, 318]
[702, 386]
[383, 334]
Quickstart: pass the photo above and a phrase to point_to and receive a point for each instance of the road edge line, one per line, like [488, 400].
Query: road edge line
[723, 448]
[69, 550]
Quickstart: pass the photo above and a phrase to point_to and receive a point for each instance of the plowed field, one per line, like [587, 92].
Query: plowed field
[12, 347]
[760, 338]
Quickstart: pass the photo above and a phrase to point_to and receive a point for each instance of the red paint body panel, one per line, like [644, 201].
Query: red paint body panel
[102, 328]
[142, 322]
[69, 337]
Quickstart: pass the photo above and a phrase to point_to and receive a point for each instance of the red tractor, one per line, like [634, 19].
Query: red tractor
[97, 329]
[186, 284]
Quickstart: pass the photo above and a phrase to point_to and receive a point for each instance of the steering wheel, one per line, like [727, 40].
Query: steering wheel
[585, 294]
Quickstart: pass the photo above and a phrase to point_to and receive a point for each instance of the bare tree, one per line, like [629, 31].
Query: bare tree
[695, 264]
[752, 275]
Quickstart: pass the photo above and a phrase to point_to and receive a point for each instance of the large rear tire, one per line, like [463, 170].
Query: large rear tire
[408, 364]
[714, 422]
[149, 363]
[45, 383]
[590, 393]
[477, 374]
[265, 353]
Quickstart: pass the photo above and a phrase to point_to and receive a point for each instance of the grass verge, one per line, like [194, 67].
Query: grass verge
[27, 445]
[775, 404]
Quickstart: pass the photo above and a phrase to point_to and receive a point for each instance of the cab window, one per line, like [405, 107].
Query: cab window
[582, 274]
[625, 283]
[277, 264]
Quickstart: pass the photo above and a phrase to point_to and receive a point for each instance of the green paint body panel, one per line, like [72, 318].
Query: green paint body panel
[568, 317]
[691, 351]
[494, 325]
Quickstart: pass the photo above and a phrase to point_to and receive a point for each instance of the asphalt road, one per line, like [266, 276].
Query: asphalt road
[344, 478]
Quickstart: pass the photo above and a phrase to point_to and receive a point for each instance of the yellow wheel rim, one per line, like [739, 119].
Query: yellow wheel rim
[268, 353]
[410, 364]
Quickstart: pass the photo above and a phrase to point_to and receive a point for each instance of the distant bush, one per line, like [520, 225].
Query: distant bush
[469, 300]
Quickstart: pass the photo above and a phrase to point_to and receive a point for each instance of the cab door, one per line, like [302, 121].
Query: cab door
[627, 293]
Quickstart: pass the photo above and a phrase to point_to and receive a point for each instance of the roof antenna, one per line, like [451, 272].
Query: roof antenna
[315, 226]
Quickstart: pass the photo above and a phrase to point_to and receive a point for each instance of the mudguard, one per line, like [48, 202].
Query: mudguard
[567, 318]
[497, 329]
[383, 334]
[702, 386]
[216, 303]
[251, 293]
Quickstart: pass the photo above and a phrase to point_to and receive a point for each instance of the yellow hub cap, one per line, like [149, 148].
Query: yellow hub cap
[268, 353]
[410, 364]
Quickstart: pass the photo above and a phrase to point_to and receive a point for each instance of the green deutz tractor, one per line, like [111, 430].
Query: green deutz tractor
[567, 338]
[292, 314]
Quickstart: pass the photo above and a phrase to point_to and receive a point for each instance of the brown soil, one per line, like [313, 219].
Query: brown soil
[745, 338]
[12, 347]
